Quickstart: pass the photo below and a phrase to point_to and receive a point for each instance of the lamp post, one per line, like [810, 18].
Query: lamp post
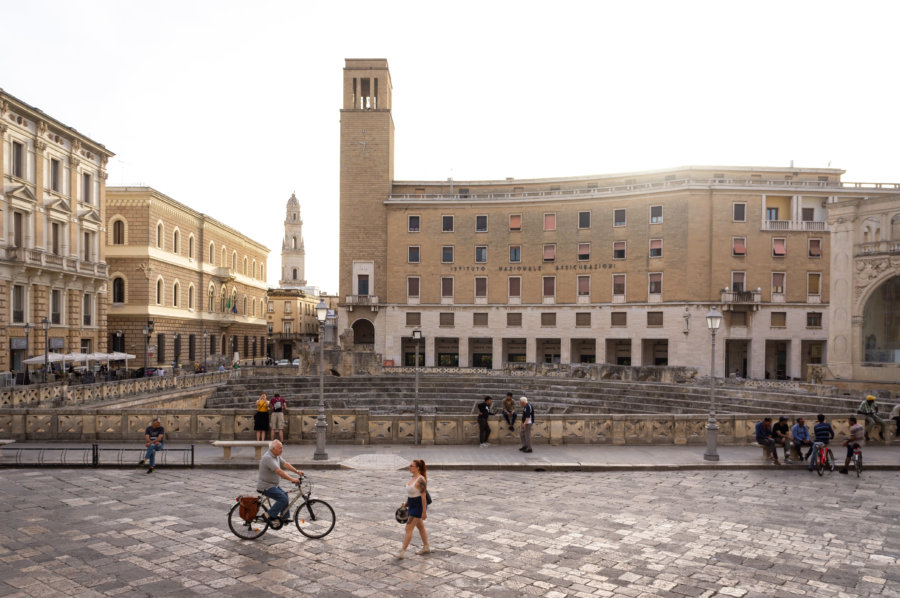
[321, 315]
[45, 324]
[417, 336]
[120, 344]
[205, 348]
[25, 365]
[713, 320]
[146, 332]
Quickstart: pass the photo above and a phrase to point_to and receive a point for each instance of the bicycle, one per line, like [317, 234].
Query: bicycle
[856, 459]
[823, 458]
[314, 518]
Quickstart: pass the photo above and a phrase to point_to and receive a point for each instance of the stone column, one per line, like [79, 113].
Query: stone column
[429, 351]
[463, 349]
[565, 350]
[794, 360]
[497, 353]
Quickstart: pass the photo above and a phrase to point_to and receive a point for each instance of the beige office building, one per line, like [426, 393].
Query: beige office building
[617, 269]
[53, 278]
[201, 283]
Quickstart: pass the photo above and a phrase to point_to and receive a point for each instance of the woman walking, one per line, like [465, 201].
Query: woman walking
[416, 503]
[261, 417]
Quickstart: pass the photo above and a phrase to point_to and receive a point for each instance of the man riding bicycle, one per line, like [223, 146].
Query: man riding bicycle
[271, 467]
[857, 437]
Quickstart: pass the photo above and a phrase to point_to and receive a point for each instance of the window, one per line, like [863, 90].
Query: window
[739, 212]
[550, 221]
[513, 320]
[655, 279]
[159, 291]
[56, 303]
[118, 232]
[18, 304]
[619, 250]
[515, 286]
[515, 222]
[412, 286]
[87, 247]
[619, 218]
[175, 242]
[807, 214]
[55, 170]
[55, 237]
[480, 224]
[777, 282]
[161, 348]
[445, 318]
[584, 220]
[413, 318]
[413, 226]
[584, 286]
[618, 284]
[549, 253]
[655, 214]
[655, 247]
[191, 300]
[515, 254]
[481, 254]
[447, 224]
[413, 254]
[778, 249]
[159, 236]
[447, 286]
[212, 254]
[294, 274]
[191, 252]
[654, 318]
[737, 318]
[447, 254]
[815, 248]
[813, 319]
[287, 327]
[778, 319]
[175, 289]
[481, 286]
[287, 307]
[548, 319]
[362, 285]
[738, 246]
[18, 229]
[88, 309]
[737, 282]
[270, 306]
[583, 319]
[771, 213]
[618, 319]
[549, 286]
[118, 290]
[18, 160]
[479, 319]
[86, 195]
[584, 251]
[813, 280]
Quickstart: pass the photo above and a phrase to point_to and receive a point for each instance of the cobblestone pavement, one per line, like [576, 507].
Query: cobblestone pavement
[498, 534]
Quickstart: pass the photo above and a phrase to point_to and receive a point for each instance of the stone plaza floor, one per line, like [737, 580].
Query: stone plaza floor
[774, 532]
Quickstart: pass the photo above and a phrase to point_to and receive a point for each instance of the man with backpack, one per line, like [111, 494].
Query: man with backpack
[527, 422]
[277, 409]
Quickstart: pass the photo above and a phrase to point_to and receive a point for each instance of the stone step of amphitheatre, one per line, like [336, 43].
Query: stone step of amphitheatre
[458, 395]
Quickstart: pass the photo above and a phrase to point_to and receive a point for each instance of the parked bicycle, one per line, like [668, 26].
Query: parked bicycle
[314, 518]
[856, 459]
[824, 458]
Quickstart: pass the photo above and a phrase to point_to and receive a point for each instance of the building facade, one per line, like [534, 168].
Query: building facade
[201, 283]
[293, 255]
[617, 269]
[53, 277]
[291, 317]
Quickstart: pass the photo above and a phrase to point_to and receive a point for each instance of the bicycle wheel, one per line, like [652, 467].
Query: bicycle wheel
[314, 518]
[243, 529]
[858, 464]
[829, 460]
[820, 463]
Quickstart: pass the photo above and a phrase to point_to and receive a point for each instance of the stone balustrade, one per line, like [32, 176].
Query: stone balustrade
[63, 395]
[358, 426]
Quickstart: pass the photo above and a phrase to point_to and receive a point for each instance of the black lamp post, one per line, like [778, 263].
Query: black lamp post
[321, 315]
[27, 337]
[205, 348]
[45, 324]
[417, 336]
[147, 330]
[713, 320]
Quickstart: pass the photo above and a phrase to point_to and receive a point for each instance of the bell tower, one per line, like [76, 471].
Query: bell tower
[293, 256]
[367, 173]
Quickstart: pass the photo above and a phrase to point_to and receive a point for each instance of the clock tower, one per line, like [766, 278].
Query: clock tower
[367, 173]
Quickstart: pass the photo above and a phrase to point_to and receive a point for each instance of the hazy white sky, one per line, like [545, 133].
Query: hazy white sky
[228, 107]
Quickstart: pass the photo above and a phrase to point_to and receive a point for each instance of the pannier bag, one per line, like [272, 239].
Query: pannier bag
[249, 507]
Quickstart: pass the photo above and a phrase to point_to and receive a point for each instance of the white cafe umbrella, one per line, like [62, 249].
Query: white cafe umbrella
[39, 359]
[117, 356]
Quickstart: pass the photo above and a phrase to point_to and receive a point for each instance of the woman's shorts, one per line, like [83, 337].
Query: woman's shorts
[261, 421]
[415, 506]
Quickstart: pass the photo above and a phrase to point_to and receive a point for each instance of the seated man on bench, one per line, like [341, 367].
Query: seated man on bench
[153, 436]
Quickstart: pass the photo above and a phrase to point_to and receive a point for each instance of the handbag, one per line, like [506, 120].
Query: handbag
[427, 497]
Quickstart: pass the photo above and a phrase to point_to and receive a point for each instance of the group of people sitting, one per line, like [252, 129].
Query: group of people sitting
[782, 434]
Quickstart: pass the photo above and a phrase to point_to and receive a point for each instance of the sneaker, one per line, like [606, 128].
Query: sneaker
[521, 448]
[401, 554]
[775, 461]
[149, 470]
[526, 450]
[843, 471]
[141, 462]
[788, 461]
[425, 550]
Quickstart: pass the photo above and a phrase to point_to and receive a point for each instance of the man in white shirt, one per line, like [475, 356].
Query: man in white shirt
[272, 467]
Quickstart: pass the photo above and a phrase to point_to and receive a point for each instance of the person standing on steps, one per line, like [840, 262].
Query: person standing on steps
[484, 429]
[417, 504]
[509, 411]
[261, 417]
[527, 422]
[278, 409]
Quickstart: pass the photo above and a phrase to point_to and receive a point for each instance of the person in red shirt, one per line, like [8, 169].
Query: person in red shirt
[277, 409]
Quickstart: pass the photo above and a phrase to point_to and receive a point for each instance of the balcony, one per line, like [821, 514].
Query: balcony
[732, 298]
[224, 274]
[878, 248]
[370, 301]
[37, 259]
[794, 225]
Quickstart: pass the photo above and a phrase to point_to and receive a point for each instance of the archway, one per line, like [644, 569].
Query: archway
[881, 324]
[363, 333]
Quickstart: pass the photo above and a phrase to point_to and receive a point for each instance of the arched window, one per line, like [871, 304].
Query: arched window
[191, 297]
[118, 290]
[254, 268]
[244, 306]
[118, 232]
[262, 272]
[159, 291]
[224, 300]
[233, 301]
[212, 254]
[175, 240]
[293, 242]
[234, 260]
[224, 258]
[295, 273]
[191, 247]
[159, 235]
[175, 295]
[211, 298]
[244, 271]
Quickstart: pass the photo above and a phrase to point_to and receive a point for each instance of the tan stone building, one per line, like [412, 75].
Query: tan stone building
[291, 317]
[201, 283]
[52, 267]
[617, 269]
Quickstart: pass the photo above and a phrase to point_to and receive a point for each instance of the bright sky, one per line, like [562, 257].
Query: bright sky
[229, 106]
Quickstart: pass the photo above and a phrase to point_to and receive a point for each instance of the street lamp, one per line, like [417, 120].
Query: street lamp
[27, 330]
[417, 336]
[713, 320]
[321, 315]
[147, 330]
[205, 348]
[45, 324]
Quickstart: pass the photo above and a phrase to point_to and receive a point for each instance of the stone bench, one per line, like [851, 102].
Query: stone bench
[227, 445]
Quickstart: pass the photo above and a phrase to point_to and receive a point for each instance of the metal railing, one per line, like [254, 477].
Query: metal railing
[94, 455]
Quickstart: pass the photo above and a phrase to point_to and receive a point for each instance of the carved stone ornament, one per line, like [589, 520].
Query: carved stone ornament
[103, 175]
[73, 161]
[103, 161]
[40, 145]
[42, 128]
[76, 146]
[4, 107]
[3, 129]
